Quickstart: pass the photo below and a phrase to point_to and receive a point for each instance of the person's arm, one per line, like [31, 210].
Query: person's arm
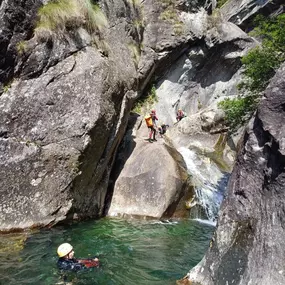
[71, 265]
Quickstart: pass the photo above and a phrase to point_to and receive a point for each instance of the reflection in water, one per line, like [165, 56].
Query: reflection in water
[131, 252]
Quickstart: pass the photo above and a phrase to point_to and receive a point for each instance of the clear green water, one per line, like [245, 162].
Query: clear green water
[131, 252]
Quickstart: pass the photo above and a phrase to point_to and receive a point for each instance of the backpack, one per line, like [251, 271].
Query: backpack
[148, 120]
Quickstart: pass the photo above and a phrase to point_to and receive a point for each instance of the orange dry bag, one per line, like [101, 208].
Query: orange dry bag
[90, 263]
[148, 120]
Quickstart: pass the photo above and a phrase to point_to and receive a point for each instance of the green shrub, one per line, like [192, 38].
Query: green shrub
[260, 65]
[146, 102]
[238, 110]
[7, 86]
[60, 15]
[169, 15]
[272, 32]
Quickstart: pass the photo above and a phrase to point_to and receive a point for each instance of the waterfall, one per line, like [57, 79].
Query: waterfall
[209, 184]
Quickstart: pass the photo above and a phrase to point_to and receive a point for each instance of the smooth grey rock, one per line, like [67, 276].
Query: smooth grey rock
[153, 179]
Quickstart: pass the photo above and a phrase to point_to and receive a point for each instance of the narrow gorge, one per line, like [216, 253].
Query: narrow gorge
[78, 77]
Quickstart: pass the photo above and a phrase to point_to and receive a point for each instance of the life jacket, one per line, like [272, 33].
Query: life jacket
[148, 120]
[180, 114]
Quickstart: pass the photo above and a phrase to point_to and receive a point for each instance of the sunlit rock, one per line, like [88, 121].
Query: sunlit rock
[152, 181]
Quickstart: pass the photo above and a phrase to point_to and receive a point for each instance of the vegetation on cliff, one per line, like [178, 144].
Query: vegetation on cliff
[62, 15]
[220, 3]
[260, 64]
[146, 102]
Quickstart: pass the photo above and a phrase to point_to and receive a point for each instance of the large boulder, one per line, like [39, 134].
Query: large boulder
[152, 181]
[62, 120]
[248, 246]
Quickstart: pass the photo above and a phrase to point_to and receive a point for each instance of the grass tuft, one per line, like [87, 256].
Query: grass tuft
[60, 15]
[21, 47]
[220, 3]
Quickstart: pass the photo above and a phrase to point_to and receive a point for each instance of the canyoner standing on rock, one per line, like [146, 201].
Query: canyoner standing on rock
[151, 124]
[180, 115]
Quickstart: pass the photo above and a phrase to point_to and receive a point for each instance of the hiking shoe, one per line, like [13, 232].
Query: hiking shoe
[150, 140]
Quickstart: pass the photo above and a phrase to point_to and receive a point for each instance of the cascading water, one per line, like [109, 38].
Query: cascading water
[209, 183]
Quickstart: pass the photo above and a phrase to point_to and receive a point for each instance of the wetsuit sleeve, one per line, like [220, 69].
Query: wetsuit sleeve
[70, 265]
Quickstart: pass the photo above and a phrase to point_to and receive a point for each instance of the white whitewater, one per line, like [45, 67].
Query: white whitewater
[209, 183]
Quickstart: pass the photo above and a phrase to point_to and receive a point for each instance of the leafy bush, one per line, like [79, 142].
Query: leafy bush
[260, 65]
[60, 15]
[238, 110]
[146, 101]
[272, 32]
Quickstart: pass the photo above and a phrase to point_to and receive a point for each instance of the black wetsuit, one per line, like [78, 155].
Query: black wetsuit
[69, 264]
[162, 129]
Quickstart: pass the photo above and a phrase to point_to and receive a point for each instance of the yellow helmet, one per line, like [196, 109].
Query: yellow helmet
[64, 249]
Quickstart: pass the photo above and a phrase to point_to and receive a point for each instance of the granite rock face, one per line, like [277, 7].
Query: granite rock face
[65, 103]
[62, 118]
[66, 98]
[17, 19]
[248, 245]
